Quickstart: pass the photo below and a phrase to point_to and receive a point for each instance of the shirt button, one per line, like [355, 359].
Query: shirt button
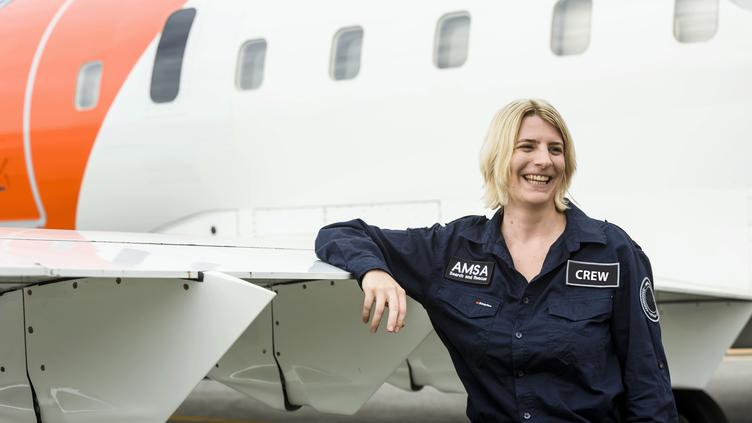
[526, 415]
[520, 373]
[518, 335]
[660, 365]
[525, 300]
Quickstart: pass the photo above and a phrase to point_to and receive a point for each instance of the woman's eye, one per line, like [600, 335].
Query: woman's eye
[556, 150]
[525, 147]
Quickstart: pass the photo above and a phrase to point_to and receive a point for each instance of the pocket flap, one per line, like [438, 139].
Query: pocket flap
[580, 309]
[468, 303]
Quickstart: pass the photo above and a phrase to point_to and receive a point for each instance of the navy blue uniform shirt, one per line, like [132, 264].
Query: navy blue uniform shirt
[580, 343]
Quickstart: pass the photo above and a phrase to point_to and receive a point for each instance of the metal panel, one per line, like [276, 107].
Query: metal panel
[428, 365]
[696, 336]
[249, 366]
[103, 351]
[329, 359]
[431, 366]
[401, 377]
[16, 404]
[744, 340]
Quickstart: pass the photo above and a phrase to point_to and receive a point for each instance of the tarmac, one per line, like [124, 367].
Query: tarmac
[211, 402]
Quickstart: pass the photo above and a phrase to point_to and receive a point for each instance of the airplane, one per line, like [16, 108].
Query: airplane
[165, 165]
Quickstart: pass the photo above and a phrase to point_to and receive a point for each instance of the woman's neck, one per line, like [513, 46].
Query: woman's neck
[522, 224]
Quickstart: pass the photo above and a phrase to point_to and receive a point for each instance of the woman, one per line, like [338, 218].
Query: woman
[548, 315]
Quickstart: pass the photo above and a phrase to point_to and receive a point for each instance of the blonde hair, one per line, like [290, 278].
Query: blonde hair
[496, 153]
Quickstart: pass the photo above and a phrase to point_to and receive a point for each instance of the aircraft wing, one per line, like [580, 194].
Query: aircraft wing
[101, 327]
[118, 327]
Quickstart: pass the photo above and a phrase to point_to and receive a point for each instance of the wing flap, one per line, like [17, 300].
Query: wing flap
[102, 350]
[329, 359]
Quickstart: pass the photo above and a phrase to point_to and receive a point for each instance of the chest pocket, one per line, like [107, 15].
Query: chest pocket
[577, 310]
[580, 329]
[464, 317]
[470, 304]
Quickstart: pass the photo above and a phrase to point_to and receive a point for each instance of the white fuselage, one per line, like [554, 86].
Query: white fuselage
[660, 127]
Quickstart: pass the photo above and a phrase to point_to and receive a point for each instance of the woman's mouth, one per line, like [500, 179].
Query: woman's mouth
[537, 179]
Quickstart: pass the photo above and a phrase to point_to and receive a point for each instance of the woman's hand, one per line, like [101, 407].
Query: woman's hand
[379, 287]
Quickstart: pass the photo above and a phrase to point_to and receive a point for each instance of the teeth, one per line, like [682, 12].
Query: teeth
[537, 179]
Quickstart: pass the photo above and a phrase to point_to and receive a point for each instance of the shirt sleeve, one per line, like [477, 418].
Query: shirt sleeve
[637, 336]
[408, 255]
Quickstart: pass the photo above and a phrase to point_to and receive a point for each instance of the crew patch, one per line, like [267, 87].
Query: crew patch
[595, 275]
[647, 299]
[477, 272]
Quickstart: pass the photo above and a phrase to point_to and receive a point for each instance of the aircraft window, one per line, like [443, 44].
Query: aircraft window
[87, 86]
[570, 27]
[695, 20]
[451, 40]
[346, 50]
[250, 71]
[168, 63]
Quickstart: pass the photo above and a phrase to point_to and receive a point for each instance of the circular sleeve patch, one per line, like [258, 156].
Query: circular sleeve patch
[647, 299]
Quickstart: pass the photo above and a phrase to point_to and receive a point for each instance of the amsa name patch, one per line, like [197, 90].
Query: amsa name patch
[596, 275]
[462, 270]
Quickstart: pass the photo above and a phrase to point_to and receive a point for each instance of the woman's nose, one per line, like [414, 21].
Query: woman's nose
[542, 157]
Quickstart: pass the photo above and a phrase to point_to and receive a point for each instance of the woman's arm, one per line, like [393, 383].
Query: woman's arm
[387, 263]
[637, 337]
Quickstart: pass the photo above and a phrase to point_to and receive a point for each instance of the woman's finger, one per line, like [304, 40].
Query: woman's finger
[367, 304]
[402, 298]
[380, 300]
[391, 323]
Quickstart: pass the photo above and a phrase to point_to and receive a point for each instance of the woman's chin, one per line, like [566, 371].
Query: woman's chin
[535, 200]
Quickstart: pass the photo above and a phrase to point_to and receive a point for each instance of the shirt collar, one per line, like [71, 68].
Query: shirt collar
[580, 229]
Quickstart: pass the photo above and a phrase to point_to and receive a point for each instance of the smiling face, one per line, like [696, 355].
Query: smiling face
[537, 164]
[527, 137]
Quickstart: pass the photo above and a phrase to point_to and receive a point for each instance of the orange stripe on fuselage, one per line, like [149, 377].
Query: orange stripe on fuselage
[115, 33]
[22, 24]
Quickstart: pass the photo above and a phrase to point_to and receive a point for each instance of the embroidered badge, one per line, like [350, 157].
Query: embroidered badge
[595, 275]
[647, 299]
[477, 272]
